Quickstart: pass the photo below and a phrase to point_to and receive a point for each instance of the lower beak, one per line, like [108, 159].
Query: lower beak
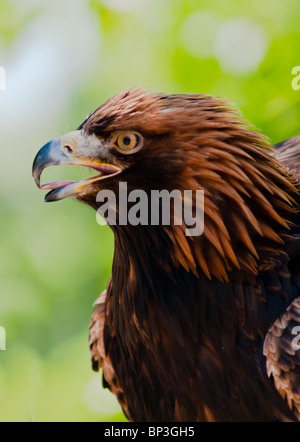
[62, 151]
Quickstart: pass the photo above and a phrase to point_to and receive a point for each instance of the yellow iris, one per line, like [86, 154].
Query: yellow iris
[127, 142]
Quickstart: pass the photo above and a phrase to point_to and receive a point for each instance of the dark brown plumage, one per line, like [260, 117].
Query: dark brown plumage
[189, 328]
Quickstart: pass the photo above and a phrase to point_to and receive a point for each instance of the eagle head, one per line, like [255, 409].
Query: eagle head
[184, 142]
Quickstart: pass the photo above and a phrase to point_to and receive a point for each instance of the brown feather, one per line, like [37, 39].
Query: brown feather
[186, 317]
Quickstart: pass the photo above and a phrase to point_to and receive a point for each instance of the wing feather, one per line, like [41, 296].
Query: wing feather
[99, 357]
[288, 153]
[283, 357]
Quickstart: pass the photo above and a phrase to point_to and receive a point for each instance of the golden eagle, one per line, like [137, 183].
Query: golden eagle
[193, 328]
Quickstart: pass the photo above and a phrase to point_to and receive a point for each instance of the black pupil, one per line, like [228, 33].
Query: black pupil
[127, 141]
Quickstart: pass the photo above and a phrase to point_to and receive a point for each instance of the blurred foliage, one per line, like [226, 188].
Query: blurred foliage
[55, 259]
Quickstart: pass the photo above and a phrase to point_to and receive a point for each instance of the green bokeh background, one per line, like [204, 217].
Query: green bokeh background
[62, 60]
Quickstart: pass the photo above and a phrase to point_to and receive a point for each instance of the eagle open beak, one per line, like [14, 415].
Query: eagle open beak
[63, 151]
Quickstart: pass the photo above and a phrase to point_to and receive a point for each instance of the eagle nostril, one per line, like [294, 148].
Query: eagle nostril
[69, 149]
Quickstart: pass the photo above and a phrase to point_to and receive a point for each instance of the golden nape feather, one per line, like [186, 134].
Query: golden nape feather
[192, 327]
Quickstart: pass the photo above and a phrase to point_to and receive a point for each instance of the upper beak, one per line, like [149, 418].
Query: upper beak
[64, 150]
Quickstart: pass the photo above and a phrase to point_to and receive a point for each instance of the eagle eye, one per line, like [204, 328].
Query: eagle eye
[127, 142]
